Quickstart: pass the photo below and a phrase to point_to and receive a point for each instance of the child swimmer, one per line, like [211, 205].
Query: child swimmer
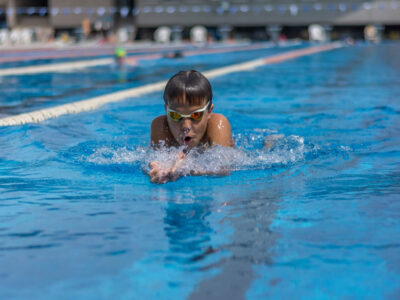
[189, 122]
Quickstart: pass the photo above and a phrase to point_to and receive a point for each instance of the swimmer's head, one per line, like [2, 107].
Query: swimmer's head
[188, 105]
[188, 87]
[120, 52]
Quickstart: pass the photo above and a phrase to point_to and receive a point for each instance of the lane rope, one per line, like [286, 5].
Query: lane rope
[60, 67]
[72, 66]
[96, 102]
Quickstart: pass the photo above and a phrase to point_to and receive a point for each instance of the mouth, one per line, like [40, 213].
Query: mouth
[187, 140]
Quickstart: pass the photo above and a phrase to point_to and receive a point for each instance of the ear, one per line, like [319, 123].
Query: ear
[210, 110]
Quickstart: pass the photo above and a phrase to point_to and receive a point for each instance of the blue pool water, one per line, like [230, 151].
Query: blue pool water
[317, 216]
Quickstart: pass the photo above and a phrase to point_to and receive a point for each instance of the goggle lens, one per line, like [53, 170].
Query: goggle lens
[197, 116]
[175, 116]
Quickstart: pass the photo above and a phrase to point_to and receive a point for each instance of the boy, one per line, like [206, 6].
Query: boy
[189, 122]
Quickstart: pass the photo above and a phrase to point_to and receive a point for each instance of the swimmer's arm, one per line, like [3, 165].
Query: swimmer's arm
[220, 172]
[219, 131]
[159, 136]
[159, 133]
[270, 140]
[160, 174]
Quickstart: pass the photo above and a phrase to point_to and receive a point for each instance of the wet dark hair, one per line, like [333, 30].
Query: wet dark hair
[189, 87]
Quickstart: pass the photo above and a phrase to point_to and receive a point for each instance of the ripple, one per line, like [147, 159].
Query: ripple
[25, 234]
[354, 246]
[101, 213]
[29, 247]
[117, 252]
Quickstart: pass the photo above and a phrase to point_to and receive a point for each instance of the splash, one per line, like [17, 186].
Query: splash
[108, 155]
[259, 150]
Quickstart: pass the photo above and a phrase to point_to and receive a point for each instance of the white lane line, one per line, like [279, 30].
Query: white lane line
[71, 66]
[61, 67]
[96, 102]
[80, 106]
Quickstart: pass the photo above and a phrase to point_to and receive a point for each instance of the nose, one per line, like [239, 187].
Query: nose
[186, 125]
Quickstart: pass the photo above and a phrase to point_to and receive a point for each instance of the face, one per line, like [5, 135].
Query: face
[188, 132]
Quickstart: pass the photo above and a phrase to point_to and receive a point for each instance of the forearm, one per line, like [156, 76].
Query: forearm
[220, 172]
[161, 172]
[184, 164]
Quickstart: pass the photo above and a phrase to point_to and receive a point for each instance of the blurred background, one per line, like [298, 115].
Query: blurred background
[124, 21]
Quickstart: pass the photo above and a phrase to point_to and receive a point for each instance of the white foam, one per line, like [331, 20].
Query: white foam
[286, 150]
[107, 156]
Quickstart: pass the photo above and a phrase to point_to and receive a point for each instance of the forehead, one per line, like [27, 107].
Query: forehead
[186, 97]
[185, 107]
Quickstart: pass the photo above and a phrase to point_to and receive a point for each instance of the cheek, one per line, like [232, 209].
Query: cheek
[173, 126]
[201, 128]
[176, 131]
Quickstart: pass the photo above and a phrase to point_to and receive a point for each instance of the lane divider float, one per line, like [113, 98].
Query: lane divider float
[96, 102]
[72, 66]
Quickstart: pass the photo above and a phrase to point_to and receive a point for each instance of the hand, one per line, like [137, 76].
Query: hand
[161, 172]
[270, 141]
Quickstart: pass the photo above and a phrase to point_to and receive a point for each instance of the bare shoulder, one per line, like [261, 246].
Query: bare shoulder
[219, 131]
[158, 122]
[159, 130]
[218, 122]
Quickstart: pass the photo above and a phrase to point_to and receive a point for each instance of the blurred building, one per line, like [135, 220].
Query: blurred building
[256, 19]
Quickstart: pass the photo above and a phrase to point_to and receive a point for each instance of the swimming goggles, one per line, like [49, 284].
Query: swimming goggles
[197, 115]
